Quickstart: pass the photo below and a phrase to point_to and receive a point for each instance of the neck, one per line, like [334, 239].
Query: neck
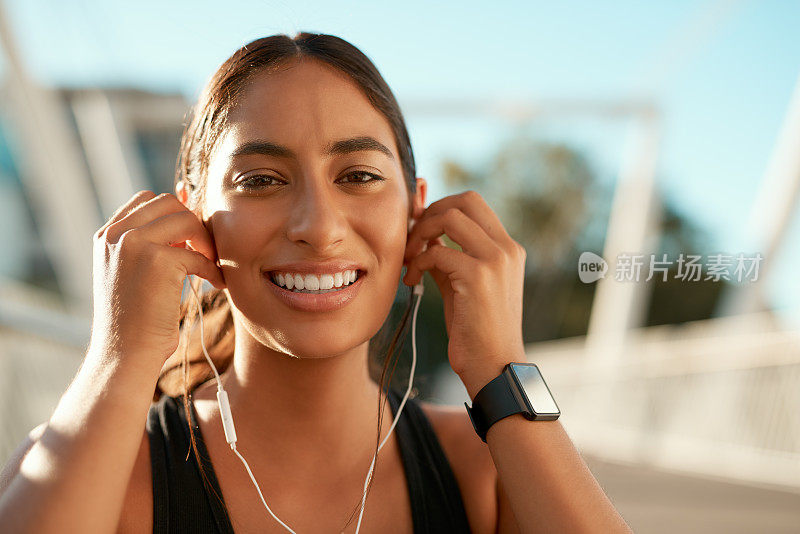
[322, 409]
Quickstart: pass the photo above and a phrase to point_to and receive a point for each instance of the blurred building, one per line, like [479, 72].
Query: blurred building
[127, 140]
[116, 141]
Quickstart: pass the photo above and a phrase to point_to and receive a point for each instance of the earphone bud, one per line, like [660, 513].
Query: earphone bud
[227, 416]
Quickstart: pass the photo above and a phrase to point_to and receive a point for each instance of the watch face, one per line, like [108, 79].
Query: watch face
[539, 396]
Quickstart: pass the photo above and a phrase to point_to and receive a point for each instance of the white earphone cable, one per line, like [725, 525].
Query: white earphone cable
[227, 416]
[418, 290]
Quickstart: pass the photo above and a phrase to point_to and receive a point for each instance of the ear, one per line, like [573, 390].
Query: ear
[182, 192]
[418, 201]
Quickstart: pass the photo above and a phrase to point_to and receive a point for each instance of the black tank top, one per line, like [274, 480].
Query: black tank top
[182, 503]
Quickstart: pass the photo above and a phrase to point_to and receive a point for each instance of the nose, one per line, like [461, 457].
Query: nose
[317, 219]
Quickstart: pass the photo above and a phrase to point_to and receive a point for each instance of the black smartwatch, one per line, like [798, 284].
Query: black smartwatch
[520, 388]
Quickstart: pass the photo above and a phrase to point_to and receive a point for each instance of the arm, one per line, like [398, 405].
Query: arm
[548, 485]
[74, 477]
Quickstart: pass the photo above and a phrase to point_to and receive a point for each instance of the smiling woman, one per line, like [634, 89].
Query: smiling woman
[295, 169]
[296, 197]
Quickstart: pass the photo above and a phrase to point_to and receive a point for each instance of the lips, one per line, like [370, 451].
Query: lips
[316, 302]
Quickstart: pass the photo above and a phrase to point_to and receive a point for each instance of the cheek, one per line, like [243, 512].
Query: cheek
[387, 242]
[390, 211]
[242, 234]
[385, 224]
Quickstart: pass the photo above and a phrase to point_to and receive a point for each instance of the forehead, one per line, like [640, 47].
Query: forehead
[303, 105]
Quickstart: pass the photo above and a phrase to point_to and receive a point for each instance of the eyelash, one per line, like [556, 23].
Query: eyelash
[247, 183]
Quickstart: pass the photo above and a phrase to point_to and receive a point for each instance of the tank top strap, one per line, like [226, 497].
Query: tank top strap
[436, 502]
[183, 502]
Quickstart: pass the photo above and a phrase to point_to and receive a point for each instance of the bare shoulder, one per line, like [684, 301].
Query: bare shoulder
[137, 509]
[470, 460]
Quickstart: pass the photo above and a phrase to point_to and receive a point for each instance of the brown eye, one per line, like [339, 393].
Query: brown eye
[361, 175]
[256, 181]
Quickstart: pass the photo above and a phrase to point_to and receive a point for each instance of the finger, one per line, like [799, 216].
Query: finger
[122, 211]
[164, 204]
[177, 227]
[475, 207]
[445, 259]
[144, 213]
[464, 231]
[197, 264]
[438, 276]
[430, 243]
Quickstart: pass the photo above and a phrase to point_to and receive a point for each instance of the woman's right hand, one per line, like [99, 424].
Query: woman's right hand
[140, 261]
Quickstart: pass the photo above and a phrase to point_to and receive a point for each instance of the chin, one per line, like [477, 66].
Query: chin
[310, 342]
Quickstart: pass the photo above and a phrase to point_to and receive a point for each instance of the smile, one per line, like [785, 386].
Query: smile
[312, 283]
[315, 300]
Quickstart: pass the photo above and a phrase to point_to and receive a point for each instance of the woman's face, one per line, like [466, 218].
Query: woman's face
[302, 203]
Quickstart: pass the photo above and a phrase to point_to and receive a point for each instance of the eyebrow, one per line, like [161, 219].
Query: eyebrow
[343, 146]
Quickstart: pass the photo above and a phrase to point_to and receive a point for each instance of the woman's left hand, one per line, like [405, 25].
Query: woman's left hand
[481, 285]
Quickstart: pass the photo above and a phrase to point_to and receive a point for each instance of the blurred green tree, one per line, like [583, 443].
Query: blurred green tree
[551, 202]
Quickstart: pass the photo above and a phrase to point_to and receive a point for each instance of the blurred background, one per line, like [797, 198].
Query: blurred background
[650, 129]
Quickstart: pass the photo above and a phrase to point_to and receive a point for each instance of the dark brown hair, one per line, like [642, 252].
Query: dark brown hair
[187, 367]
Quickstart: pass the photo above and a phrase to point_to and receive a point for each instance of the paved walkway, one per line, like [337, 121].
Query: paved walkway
[656, 502]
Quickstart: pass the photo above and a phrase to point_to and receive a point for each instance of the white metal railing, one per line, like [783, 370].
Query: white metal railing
[719, 398]
[41, 348]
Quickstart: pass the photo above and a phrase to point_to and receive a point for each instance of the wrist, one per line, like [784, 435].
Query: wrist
[475, 378]
[131, 374]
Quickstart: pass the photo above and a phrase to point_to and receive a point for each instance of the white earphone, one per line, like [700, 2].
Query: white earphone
[227, 416]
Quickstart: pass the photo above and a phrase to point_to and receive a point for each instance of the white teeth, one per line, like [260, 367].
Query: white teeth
[311, 282]
[326, 281]
[314, 282]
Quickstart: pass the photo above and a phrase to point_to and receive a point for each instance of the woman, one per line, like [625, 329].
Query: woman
[296, 162]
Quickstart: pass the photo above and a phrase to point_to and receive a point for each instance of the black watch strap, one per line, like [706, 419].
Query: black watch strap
[493, 402]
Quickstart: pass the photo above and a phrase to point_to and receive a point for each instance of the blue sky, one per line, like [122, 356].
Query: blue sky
[722, 72]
